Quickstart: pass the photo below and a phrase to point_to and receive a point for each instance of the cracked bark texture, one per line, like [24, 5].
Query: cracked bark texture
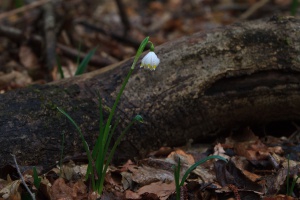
[243, 74]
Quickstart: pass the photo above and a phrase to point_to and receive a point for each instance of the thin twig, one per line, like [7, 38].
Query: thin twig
[123, 16]
[124, 40]
[50, 38]
[22, 178]
[253, 9]
[23, 9]
[95, 60]
[17, 35]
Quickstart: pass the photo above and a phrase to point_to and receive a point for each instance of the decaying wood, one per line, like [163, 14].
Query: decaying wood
[244, 74]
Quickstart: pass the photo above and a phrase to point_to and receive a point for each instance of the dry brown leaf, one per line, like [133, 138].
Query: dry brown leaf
[184, 157]
[161, 152]
[132, 195]
[60, 190]
[127, 166]
[219, 150]
[241, 163]
[127, 180]
[146, 175]
[28, 58]
[15, 78]
[161, 189]
[79, 190]
[10, 191]
[45, 187]
[279, 197]
[113, 181]
[253, 149]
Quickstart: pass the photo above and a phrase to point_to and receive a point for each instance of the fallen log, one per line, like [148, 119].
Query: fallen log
[247, 73]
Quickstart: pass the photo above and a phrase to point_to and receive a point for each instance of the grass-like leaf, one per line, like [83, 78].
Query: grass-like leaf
[188, 171]
[176, 177]
[62, 153]
[19, 3]
[294, 7]
[85, 145]
[36, 179]
[82, 66]
[140, 51]
[194, 166]
[59, 66]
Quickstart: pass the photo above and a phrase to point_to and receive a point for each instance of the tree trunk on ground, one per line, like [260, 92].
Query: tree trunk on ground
[247, 73]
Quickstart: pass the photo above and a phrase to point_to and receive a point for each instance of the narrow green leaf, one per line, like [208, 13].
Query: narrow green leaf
[176, 177]
[85, 145]
[19, 3]
[79, 50]
[294, 7]
[186, 174]
[107, 143]
[138, 118]
[61, 152]
[288, 175]
[112, 152]
[59, 66]
[140, 51]
[293, 186]
[36, 179]
[82, 67]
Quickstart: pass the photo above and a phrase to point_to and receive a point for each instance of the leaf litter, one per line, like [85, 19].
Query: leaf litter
[257, 168]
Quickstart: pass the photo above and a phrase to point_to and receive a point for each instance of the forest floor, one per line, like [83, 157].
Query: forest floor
[38, 38]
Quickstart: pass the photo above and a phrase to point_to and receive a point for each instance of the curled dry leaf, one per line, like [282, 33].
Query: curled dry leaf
[10, 191]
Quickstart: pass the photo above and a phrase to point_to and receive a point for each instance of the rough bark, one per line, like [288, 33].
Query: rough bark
[247, 73]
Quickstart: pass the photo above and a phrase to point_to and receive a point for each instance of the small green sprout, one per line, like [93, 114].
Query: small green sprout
[289, 190]
[81, 68]
[36, 179]
[188, 171]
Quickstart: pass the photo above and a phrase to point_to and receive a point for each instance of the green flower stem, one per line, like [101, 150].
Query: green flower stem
[151, 46]
[188, 171]
[104, 137]
[85, 145]
[195, 165]
[176, 177]
[112, 152]
[140, 51]
[137, 56]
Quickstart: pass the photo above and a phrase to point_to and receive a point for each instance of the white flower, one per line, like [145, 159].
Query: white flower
[150, 61]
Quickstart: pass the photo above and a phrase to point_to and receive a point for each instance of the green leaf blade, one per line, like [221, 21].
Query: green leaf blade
[194, 166]
[83, 65]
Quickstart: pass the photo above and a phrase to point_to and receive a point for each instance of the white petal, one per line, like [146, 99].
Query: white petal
[150, 61]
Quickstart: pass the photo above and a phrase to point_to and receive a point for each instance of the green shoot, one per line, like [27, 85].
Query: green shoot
[79, 50]
[19, 3]
[289, 190]
[59, 66]
[188, 171]
[100, 158]
[292, 186]
[176, 178]
[294, 7]
[82, 66]
[36, 179]
[288, 175]
[61, 153]
[85, 145]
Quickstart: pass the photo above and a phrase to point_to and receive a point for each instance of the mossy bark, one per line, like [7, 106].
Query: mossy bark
[247, 73]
